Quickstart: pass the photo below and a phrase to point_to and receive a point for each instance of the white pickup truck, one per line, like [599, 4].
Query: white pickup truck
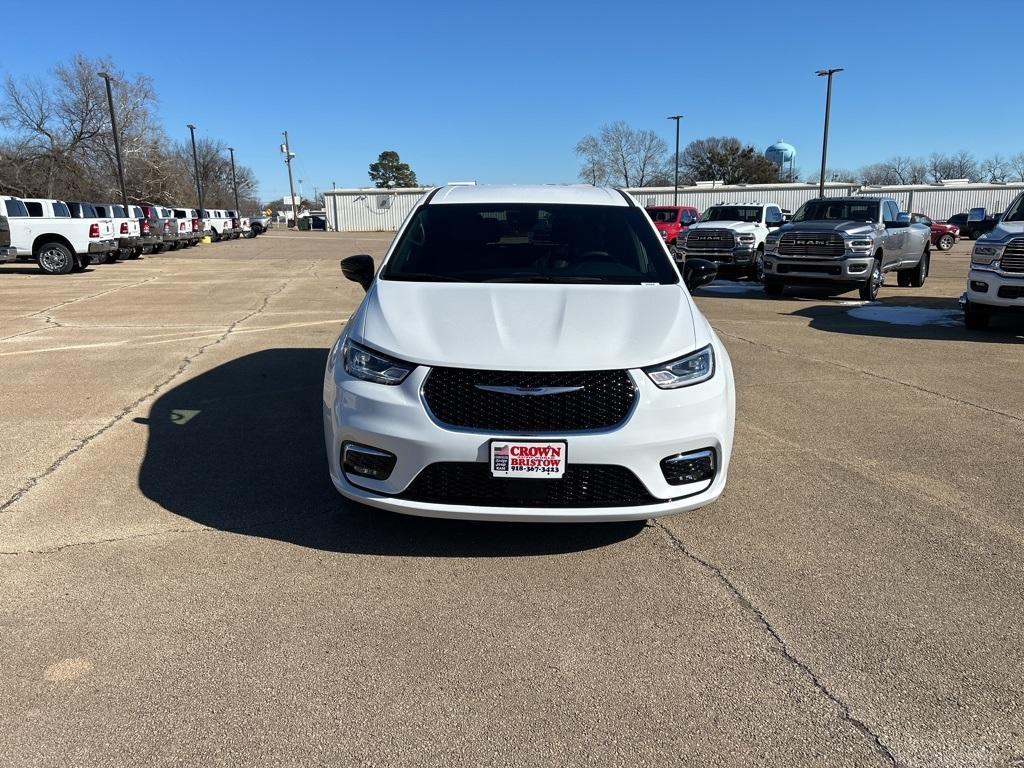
[995, 284]
[732, 236]
[188, 226]
[126, 230]
[59, 241]
[218, 224]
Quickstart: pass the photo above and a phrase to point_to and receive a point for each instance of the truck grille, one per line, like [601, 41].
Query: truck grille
[710, 242]
[1013, 256]
[583, 485]
[603, 400]
[823, 246]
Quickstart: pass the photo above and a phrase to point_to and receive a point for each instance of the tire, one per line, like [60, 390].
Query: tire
[773, 286]
[135, 253]
[56, 259]
[110, 257]
[976, 317]
[214, 236]
[946, 242]
[869, 290]
[158, 248]
[755, 273]
[920, 273]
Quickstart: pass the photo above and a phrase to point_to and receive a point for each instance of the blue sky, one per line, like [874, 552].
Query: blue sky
[502, 91]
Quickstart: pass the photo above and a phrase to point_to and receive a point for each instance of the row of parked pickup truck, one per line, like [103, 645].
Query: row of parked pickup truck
[67, 236]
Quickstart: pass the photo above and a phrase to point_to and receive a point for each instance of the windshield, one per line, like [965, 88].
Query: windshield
[748, 213]
[838, 210]
[1016, 210]
[664, 215]
[525, 243]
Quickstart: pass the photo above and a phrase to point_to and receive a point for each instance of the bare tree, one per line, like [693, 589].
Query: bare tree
[1016, 164]
[995, 170]
[622, 156]
[726, 159]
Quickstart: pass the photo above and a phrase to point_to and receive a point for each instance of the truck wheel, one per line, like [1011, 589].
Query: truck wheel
[773, 286]
[134, 253]
[946, 242]
[756, 271]
[976, 317]
[110, 257]
[869, 290]
[214, 236]
[55, 259]
[920, 273]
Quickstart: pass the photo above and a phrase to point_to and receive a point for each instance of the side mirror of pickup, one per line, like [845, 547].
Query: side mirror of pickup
[358, 269]
[698, 272]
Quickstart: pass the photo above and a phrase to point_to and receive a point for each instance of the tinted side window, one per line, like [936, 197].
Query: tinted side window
[16, 208]
[101, 211]
[888, 214]
[60, 210]
[119, 212]
[34, 209]
[773, 215]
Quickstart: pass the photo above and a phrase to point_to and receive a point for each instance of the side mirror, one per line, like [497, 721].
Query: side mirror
[698, 272]
[773, 224]
[904, 219]
[358, 269]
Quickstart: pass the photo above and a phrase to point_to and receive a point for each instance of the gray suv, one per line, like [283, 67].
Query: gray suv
[847, 242]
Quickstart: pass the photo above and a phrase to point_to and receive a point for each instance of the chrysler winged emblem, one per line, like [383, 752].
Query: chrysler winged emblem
[528, 391]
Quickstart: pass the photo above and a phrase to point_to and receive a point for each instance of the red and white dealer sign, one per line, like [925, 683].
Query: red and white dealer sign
[528, 459]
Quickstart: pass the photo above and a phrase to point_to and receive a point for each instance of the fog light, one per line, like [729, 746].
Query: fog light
[858, 267]
[684, 468]
[979, 287]
[365, 461]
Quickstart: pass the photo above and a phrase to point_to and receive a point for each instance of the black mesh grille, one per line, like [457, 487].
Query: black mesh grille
[583, 485]
[454, 398]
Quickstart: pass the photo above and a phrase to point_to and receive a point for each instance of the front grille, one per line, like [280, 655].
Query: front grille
[1013, 256]
[603, 400]
[710, 242]
[583, 485]
[823, 246]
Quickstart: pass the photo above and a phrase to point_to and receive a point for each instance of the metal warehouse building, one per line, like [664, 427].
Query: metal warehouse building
[382, 210]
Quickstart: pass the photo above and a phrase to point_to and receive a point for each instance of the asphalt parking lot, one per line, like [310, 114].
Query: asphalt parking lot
[182, 584]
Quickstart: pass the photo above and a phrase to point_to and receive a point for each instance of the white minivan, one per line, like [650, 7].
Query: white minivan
[529, 353]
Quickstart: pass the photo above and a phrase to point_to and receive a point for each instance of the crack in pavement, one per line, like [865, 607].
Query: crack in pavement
[120, 415]
[872, 374]
[104, 292]
[844, 709]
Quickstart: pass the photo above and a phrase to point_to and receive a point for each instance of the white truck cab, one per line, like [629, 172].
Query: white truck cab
[50, 232]
[996, 280]
[126, 230]
[732, 236]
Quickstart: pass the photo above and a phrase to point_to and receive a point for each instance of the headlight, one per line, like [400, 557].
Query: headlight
[746, 238]
[859, 245]
[986, 254]
[365, 364]
[771, 244]
[693, 369]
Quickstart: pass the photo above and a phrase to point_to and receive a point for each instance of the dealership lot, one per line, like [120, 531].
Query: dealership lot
[183, 584]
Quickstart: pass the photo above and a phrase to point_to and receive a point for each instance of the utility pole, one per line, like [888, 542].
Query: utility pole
[675, 191]
[234, 182]
[828, 108]
[195, 161]
[291, 186]
[117, 142]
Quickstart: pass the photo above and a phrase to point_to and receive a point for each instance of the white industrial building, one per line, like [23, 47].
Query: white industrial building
[382, 210]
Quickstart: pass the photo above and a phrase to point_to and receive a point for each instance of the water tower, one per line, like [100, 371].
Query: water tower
[784, 157]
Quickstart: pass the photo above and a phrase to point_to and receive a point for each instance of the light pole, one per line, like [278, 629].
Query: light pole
[234, 182]
[675, 191]
[291, 186]
[195, 162]
[117, 141]
[828, 108]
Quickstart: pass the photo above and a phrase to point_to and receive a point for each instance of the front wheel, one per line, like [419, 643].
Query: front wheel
[55, 259]
[976, 317]
[920, 273]
[756, 270]
[869, 290]
[946, 242]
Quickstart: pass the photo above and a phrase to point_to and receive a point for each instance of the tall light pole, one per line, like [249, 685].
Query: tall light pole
[234, 182]
[291, 186]
[675, 191]
[195, 162]
[828, 108]
[117, 141]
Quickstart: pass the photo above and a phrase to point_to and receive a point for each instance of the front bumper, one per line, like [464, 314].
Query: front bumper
[664, 423]
[853, 269]
[740, 256]
[102, 246]
[996, 289]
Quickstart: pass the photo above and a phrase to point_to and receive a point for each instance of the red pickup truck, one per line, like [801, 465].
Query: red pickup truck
[670, 220]
[943, 235]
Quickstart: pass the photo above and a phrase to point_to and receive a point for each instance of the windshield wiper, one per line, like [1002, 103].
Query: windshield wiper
[547, 279]
[424, 277]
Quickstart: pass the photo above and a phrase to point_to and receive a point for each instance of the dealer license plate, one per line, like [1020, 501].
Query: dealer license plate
[528, 459]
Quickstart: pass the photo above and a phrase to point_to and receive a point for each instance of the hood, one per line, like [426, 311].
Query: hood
[735, 226]
[839, 227]
[1006, 230]
[527, 327]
